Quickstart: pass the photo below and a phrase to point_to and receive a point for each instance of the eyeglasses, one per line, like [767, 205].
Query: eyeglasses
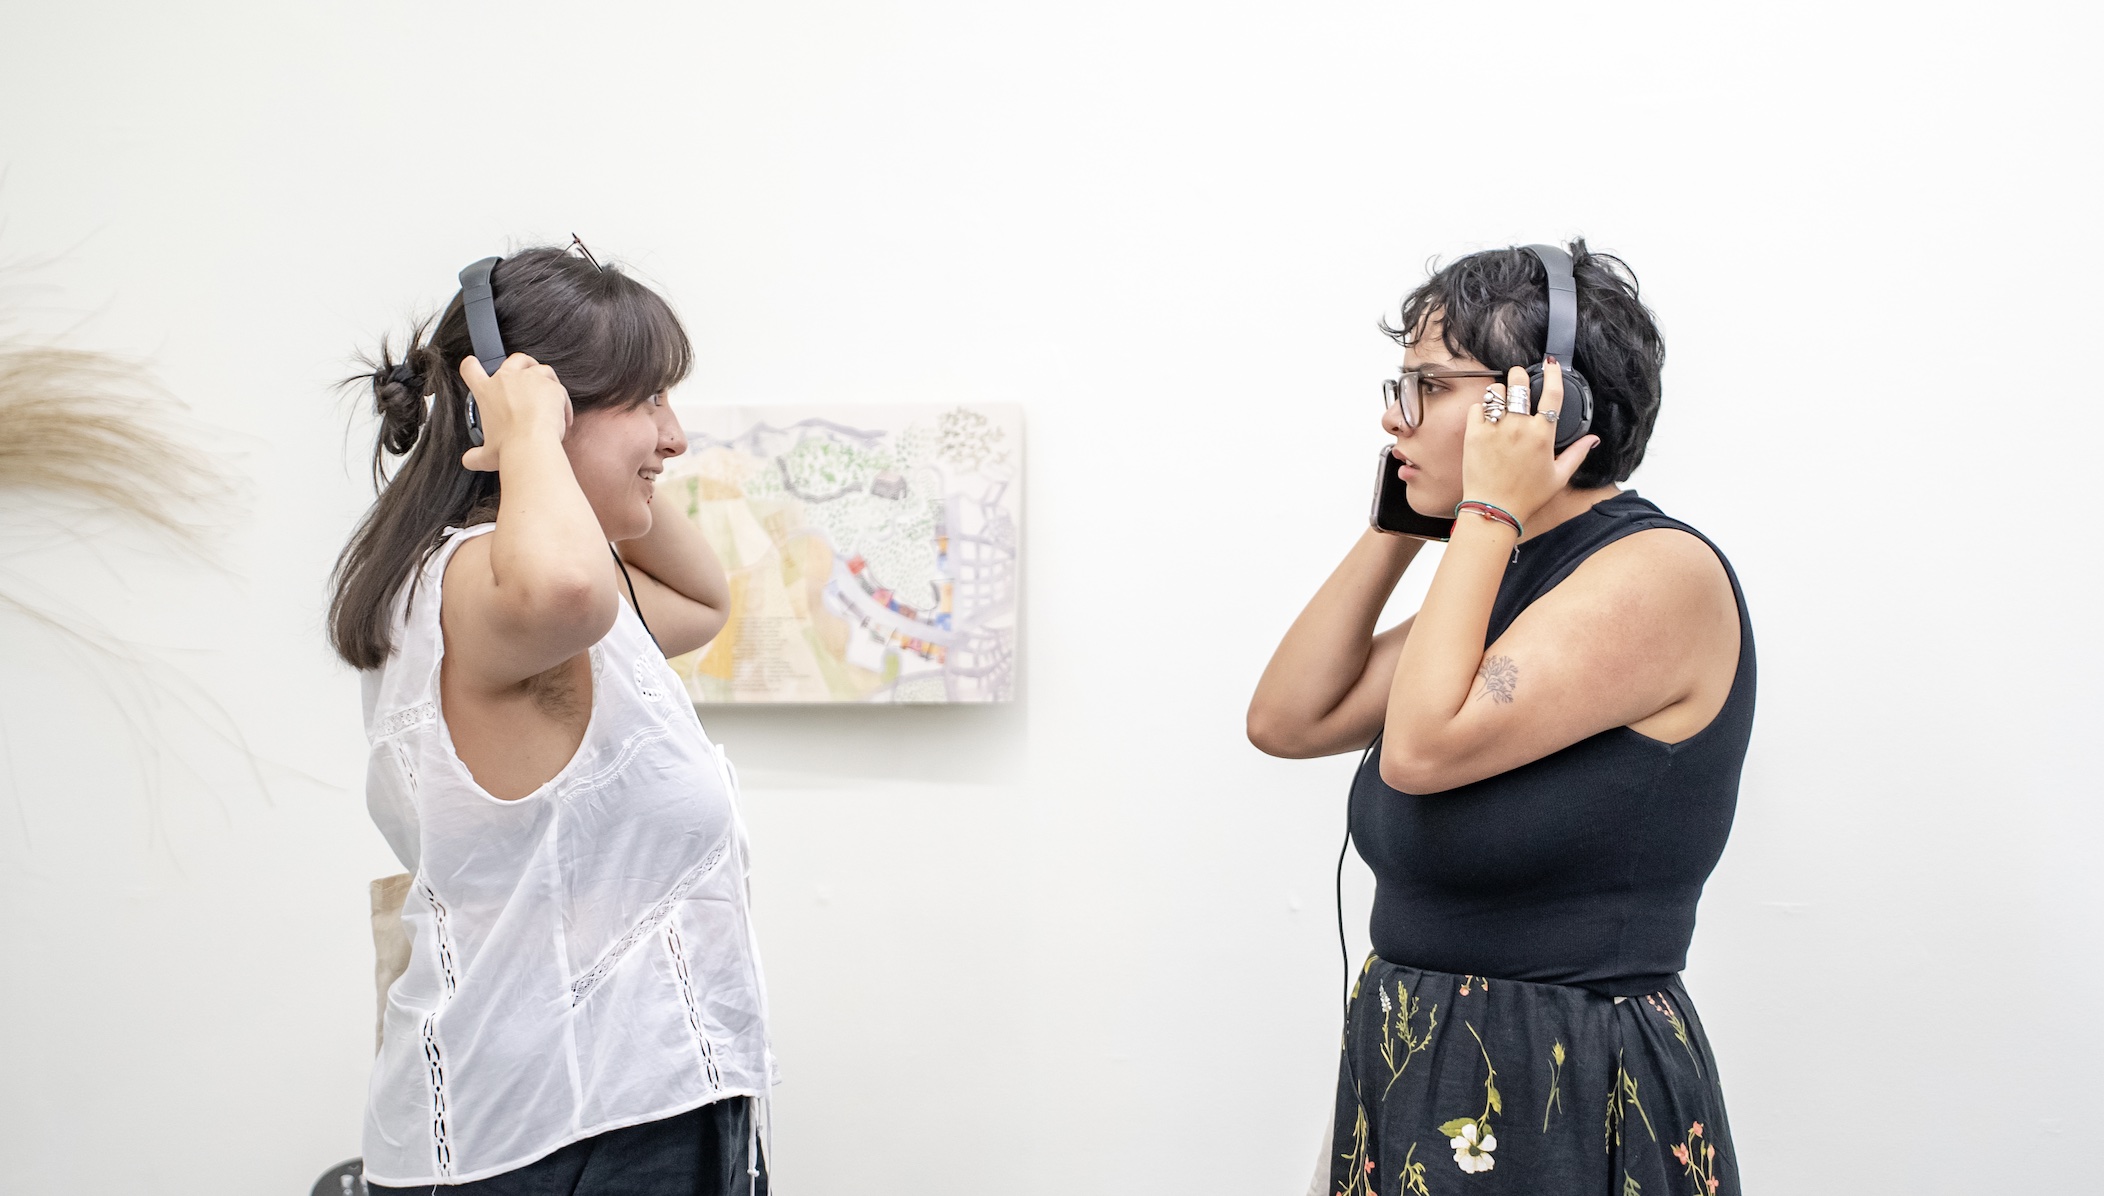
[1407, 390]
[577, 243]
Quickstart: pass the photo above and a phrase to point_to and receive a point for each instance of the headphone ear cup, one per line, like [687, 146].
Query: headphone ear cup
[1575, 417]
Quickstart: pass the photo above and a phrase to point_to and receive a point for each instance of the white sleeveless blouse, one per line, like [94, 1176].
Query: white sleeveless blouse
[582, 958]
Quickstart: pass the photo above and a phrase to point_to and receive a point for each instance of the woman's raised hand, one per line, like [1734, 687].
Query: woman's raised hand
[522, 399]
[1511, 462]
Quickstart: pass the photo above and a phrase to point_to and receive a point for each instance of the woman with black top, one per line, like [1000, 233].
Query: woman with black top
[1552, 754]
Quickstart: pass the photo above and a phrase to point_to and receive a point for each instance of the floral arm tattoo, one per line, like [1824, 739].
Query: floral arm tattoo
[1500, 677]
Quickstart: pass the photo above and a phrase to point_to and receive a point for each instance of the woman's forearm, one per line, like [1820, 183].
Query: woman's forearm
[548, 549]
[1326, 649]
[676, 553]
[1440, 660]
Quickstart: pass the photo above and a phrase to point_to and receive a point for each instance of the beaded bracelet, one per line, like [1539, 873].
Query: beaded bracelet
[1495, 514]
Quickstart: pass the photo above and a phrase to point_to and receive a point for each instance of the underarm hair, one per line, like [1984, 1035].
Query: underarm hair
[555, 692]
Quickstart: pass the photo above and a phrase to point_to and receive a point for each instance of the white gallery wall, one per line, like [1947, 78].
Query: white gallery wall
[1084, 944]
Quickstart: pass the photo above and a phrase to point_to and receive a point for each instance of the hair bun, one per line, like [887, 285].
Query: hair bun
[398, 395]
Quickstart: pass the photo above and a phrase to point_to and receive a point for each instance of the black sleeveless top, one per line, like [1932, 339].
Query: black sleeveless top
[1582, 867]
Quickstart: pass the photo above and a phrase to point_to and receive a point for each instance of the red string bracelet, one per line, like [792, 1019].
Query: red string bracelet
[1496, 515]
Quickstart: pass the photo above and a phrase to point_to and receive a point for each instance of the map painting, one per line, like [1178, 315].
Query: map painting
[873, 551]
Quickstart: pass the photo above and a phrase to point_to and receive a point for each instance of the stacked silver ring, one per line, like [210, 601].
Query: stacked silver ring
[1516, 398]
[1493, 406]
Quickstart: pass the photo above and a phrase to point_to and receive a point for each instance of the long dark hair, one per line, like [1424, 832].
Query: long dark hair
[1493, 306]
[612, 342]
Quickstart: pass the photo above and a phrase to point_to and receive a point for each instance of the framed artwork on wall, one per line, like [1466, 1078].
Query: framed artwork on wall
[874, 551]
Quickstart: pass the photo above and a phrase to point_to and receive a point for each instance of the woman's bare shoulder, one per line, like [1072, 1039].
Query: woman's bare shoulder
[1658, 570]
[1661, 602]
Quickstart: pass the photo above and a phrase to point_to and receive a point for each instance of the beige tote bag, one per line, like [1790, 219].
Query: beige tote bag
[390, 944]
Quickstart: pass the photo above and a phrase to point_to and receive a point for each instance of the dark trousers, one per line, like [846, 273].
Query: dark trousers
[701, 1152]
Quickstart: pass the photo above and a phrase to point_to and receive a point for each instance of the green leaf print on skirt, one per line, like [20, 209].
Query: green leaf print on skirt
[1400, 1039]
[1621, 1097]
[1555, 1101]
[1471, 1137]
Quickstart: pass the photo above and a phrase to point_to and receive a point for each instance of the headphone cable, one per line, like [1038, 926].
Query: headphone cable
[1344, 951]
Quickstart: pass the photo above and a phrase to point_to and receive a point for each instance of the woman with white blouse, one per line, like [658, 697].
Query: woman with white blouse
[583, 1010]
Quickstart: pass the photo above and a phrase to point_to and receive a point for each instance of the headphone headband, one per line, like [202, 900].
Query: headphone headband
[1562, 344]
[480, 303]
[1562, 341]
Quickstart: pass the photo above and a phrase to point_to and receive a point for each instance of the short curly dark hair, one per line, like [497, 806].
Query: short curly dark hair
[1493, 307]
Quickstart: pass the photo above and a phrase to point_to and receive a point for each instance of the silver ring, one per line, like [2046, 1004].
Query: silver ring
[1493, 406]
[1549, 415]
[1516, 398]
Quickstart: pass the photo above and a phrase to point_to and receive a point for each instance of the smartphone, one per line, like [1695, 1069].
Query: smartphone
[1392, 511]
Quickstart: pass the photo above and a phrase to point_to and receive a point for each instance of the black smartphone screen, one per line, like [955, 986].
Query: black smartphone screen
[1392, 511]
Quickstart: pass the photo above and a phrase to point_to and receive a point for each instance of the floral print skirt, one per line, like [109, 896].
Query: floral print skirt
[1457, 1084]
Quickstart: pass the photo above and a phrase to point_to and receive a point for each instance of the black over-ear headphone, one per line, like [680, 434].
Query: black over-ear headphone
[1576, 415]
[480, 304]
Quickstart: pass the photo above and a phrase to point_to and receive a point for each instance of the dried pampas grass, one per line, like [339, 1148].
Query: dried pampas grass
[85, 436]
[92, 426]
